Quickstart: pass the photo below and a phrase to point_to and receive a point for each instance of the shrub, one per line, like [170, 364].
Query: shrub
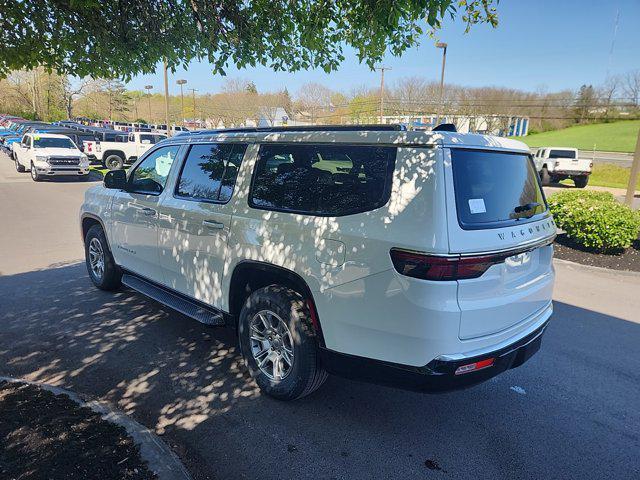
[595, 220]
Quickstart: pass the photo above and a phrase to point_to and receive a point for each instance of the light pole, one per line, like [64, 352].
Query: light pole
[193, 96]
[166, 96]
[148, 88]
[443, 46]
[181, 82]
[382, 69]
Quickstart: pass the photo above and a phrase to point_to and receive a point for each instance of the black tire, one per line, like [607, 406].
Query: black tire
[545, 178]
[306, 373]
[35, 176]
[112, 275]
[114, 162]
[19, 168]
[581, 182]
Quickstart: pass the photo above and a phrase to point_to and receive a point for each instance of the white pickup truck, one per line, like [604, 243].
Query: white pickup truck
[48, 154]
[128, 149]
[559, 163]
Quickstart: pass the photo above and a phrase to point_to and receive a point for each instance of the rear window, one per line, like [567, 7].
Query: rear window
[495, 189]
[322, 180]
[562, 154]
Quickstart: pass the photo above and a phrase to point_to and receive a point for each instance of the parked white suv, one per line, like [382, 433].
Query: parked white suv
[560, 163]
[416, 259]
[48, 155]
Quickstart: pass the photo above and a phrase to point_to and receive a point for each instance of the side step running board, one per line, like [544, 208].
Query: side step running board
[173, 300]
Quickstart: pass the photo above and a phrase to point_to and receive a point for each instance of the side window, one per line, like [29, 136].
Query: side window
[25, 141]
[150, 176]
[326, 180]
[209, 172]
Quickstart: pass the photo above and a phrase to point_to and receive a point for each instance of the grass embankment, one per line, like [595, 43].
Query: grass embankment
[607, 137]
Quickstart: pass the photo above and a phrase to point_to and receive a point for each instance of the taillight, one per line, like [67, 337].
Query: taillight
[431, 267]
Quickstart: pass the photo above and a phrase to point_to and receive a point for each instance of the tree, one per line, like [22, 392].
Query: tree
[70, 90]
[103, 38]
[585, 102]
[632, 87]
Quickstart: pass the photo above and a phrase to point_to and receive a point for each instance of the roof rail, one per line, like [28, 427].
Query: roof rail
[306, 128]
[445, 127]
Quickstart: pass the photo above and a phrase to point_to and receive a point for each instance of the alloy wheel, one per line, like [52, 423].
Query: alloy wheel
[271, 344]
[96, 258]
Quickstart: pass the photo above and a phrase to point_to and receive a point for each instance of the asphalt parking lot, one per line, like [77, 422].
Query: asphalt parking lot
[570, 412]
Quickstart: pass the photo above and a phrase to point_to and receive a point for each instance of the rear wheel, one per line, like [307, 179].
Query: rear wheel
[114, 162]
[279, 344]
[581, 182]
[103, 271]
[545, 178]
[19, 168]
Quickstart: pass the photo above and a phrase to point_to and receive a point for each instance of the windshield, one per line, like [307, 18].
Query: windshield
[49, 142]
[562, 154]
[495, 189]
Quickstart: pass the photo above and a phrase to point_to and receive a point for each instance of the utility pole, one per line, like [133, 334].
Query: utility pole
[633, 175]
[382, 69]
[193, 97]
[443, 46]
[181, 82]
[166, 96]
[148, 88]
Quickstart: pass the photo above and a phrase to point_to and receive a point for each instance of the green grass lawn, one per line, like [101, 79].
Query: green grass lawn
[608, 175]
[607, 137]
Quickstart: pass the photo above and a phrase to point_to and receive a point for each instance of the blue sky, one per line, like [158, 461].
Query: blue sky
[538, 44]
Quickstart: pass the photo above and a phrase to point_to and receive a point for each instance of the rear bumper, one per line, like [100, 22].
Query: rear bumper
[570, 173]
[438, 375]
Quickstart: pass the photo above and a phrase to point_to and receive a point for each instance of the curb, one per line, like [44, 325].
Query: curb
[160, 458]
[624, 273]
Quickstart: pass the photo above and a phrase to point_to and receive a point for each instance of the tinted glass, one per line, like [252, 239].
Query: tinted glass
[494, 189]
[151, 138]
[562, 154]
[44, 142]
[323, 180]
[210, 171]
[151, 174]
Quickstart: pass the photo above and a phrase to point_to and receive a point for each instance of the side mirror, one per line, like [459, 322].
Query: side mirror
[115, 179]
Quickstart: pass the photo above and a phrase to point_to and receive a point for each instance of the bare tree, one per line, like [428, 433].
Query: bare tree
[71, 89]
[632, 87]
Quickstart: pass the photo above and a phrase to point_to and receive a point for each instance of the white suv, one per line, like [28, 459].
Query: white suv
[421, 260]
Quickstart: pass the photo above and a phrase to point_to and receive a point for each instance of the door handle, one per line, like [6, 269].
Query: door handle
[213, 224]
[149, 212]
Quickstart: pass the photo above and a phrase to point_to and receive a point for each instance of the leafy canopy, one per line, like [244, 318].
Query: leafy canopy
[107, 38]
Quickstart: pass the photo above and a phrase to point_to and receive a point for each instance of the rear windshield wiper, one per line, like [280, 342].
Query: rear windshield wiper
[527, 207]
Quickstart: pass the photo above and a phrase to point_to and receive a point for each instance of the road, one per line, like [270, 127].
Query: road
[617, 158]
[570, 412]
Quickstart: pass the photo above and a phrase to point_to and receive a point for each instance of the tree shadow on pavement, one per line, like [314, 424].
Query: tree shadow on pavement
[186, 381]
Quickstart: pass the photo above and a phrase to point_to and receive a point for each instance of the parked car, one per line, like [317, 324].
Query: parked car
[125, 148]
[560, 163]
[48, 155]
[416, 259]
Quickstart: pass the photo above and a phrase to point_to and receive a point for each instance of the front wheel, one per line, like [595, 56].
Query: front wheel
[103, 271]
[581, 182]
[278, 343]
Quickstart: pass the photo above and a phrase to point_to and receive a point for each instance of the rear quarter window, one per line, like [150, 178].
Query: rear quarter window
[495, 189]
[322, 180]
